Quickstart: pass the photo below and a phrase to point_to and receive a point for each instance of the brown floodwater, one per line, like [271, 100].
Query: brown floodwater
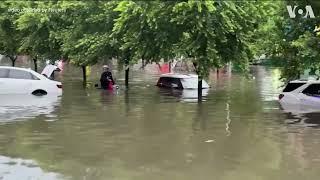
[239, 132]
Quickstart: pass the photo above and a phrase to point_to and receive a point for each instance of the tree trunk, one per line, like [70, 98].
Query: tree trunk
[201, 117]
[218, 73]
[199, 82]
[35, 62]
[127, 76]
[142, 62]
[84, 75]
[199, 89]
[159, 66]
[170, 67]
[13, 60]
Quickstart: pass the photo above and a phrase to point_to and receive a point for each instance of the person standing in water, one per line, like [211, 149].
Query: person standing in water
[106, 79]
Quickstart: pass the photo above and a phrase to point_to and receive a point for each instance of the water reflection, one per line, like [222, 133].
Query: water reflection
[185, 95]
[302, 114]
[19, 107]
[21, 169]
[228, 119]
[304, 120]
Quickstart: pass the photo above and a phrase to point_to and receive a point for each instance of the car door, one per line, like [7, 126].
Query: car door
[20, 82]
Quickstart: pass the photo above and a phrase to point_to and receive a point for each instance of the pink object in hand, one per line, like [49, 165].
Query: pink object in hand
[110, 86]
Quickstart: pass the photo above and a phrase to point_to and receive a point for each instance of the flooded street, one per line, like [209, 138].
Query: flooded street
[239, 132]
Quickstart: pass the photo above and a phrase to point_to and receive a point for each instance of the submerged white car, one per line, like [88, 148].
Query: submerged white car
[180, 81]
[15, 80]
[301, 96]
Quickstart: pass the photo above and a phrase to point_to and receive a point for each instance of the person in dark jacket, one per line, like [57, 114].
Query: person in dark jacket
[106, 78]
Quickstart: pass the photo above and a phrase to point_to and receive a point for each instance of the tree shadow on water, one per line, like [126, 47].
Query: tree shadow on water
[199, 123]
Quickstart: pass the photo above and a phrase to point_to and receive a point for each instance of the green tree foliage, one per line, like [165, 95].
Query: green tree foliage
[10, 38]
[86, 35]
[38, 29]
[144, 31]
[211, 33]
[293, 41]
[86, 31]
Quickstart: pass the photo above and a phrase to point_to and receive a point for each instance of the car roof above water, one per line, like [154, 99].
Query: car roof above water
[188, 81]
[309, 81]
[29, 70]
[16, 68]
[179, 76]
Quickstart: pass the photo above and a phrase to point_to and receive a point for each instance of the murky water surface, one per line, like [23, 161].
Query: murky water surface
[238, 133]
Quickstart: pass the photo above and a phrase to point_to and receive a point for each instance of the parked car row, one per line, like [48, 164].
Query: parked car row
[297, 94]
[15, 80]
